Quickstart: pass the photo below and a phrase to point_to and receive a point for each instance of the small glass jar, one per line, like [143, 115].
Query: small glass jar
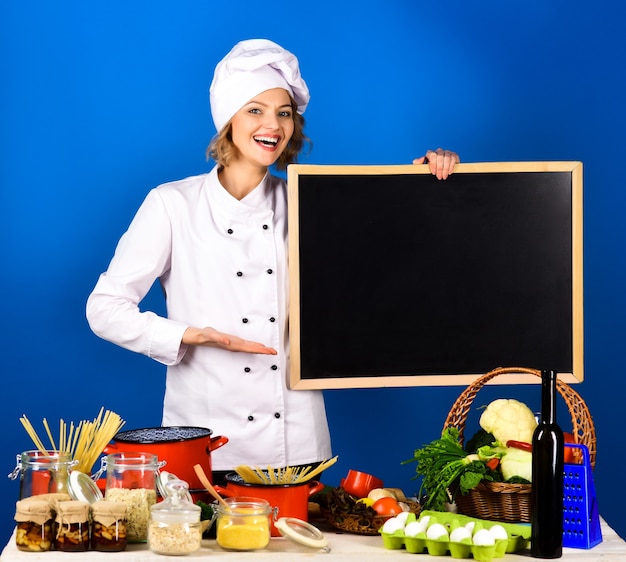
[34, 525]
[131, 479]
[42, 472]
[244, 524]
[175, 527]
[72, 526]
[108, 526]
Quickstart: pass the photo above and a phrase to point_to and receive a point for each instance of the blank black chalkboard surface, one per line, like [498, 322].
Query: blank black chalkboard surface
[399, 279]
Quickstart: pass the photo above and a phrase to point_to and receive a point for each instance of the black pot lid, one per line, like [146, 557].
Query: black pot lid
[163, 434]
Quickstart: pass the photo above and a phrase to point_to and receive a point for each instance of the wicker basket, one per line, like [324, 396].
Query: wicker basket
[498, 501]
[360, 524]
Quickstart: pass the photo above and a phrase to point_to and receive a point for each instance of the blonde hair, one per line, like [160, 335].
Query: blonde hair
[222, 149]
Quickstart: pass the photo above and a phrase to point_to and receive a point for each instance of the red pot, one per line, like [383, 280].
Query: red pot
[180, 446]
[292, 500]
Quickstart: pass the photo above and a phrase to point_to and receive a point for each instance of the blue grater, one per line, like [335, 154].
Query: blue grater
[581, 519]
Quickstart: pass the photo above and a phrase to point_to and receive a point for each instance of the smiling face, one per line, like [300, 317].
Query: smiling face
[262, 128]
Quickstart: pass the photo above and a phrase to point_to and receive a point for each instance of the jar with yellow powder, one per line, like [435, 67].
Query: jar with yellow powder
[244, 523]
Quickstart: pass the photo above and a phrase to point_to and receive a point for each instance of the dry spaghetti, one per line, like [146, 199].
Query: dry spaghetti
[83, 442]
[286, 475]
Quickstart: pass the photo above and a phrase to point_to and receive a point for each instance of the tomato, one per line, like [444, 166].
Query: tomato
[387, 506]
[572, 456]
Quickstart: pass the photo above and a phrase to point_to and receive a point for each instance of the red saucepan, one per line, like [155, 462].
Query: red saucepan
[181, 446]
[292, 500]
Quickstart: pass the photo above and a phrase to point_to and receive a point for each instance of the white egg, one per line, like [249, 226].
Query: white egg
[470, 526]
[459, 534]
[426, 520]
[498, 532]
[403, 516]
[483, 537]
[392, 525]
[414, 528]
[436, 531]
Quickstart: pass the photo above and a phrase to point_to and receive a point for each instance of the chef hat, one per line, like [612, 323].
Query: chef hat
[250, 68]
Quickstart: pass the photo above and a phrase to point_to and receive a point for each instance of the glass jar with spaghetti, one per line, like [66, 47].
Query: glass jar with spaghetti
[131, 478]
[72, 526]
[42, 472]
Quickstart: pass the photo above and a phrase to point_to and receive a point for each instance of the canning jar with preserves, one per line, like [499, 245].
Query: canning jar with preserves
[108, 526]
[72, 526]
[34, 526]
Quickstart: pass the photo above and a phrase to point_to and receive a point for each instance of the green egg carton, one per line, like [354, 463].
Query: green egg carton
[518, 538]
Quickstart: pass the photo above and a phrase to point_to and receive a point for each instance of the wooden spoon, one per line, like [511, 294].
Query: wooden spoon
[205, 482]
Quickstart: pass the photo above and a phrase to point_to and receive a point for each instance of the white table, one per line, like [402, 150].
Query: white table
[344, 548]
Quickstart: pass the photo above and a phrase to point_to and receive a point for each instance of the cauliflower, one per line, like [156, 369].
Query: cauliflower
[508, 419]
[516, 462]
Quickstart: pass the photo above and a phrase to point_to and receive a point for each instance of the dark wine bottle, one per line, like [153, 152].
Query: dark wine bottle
[547, 476]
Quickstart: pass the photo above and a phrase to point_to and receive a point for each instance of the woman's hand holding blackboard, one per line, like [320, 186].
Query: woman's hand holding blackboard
[440, 161]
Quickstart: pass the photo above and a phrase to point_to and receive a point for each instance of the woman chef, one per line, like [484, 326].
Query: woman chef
[217, 243]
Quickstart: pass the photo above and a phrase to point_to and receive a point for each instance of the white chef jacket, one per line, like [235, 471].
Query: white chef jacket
[222, 263]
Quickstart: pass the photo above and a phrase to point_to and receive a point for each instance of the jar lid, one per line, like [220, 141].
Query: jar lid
[104, 507]
[302, 533]
[133, 461]
[38, 511]
[162, 479]
[175, 508]
[33, 507]
[242, 505]
[83, 488]
[72, 511]
[52, 459]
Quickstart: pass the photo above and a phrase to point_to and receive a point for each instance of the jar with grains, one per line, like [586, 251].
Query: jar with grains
[131, 480]
[175, 527]
[34, 525]
[72, 526]
[108, 526]
[244, 524]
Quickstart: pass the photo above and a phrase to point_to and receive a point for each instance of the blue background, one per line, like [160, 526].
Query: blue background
[100, 101]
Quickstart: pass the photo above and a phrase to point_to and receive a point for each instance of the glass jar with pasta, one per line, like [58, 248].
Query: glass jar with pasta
[131, 479]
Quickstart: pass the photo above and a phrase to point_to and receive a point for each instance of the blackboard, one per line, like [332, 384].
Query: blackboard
[399, 279]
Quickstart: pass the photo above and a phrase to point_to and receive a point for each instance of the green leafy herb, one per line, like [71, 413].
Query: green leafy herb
[443, 465]
[206, 510]
[478, 440]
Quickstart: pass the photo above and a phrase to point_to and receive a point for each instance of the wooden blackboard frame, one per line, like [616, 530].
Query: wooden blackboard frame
[298, 174]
